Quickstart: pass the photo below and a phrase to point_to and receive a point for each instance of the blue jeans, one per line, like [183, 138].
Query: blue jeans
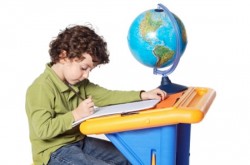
[89, 151]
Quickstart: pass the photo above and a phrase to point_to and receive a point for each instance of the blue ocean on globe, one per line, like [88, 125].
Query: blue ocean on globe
[152, 38]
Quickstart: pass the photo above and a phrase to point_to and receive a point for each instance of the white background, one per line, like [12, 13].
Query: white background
[217, 56]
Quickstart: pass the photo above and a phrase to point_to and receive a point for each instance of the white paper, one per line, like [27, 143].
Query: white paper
[120, 109]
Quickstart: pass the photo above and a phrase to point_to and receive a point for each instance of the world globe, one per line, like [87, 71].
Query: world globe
[157, 39]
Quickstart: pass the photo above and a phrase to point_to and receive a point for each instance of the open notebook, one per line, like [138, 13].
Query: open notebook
[120, 109]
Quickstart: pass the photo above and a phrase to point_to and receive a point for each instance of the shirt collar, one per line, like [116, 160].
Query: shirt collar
[56, 80]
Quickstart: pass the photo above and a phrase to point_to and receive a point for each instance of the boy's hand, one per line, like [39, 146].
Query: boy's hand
[154, 94]
[84, 109]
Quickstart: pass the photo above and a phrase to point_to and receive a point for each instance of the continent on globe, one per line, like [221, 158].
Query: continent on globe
[148, 24]
[163, 54]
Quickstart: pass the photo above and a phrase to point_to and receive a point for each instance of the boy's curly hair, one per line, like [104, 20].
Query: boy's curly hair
[76, 40]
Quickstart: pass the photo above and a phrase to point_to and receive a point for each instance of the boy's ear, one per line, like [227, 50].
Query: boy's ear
[63, 56]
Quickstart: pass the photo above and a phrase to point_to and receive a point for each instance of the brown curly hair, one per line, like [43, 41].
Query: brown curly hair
[76, 40]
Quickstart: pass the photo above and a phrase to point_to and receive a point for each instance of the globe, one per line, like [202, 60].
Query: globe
[157, 39]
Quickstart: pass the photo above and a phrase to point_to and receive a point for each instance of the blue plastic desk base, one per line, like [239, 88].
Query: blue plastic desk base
[169, 144]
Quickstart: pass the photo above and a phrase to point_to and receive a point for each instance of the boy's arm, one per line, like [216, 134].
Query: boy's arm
[102, 96]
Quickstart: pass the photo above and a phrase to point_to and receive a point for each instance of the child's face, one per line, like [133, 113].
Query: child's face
[77, 70]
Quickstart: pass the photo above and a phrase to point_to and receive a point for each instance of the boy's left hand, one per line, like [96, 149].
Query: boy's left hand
[154, 94]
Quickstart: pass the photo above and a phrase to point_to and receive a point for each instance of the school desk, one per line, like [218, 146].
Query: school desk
[156, 136]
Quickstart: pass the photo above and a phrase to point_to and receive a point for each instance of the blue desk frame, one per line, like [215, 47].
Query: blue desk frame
[169, 145]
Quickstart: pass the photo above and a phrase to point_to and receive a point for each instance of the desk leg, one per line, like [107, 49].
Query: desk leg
[183, 144]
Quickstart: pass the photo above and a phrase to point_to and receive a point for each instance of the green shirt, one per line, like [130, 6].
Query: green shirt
[49, 105]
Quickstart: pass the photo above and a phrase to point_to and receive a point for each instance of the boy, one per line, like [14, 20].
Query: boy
[63, 94]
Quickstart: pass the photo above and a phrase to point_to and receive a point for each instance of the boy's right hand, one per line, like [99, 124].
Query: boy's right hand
[84, 109]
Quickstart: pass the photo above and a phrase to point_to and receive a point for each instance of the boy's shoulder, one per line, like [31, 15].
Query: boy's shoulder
[44, 80]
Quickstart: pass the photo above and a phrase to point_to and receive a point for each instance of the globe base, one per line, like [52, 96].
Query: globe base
[170, 87]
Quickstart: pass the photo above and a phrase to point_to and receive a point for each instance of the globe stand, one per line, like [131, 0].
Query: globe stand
[170, 87]
[166, 84]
